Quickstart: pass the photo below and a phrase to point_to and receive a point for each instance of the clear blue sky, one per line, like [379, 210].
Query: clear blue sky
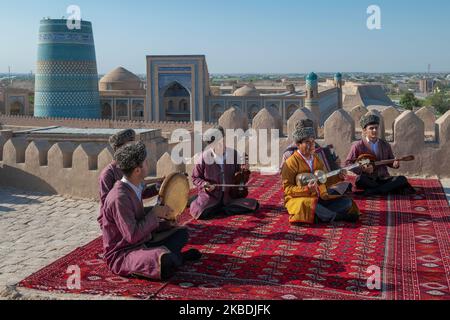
[244, 36]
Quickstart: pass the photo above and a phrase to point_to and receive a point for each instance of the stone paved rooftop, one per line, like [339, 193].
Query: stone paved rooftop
[36, 229]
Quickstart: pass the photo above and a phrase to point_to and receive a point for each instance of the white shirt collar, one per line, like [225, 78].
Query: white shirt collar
[137, 190]
[220, 159]
[309, 161]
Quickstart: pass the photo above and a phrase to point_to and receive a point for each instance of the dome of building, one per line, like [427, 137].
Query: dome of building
[312, 77]
[338, 75]
[246, 91]
[120, 79]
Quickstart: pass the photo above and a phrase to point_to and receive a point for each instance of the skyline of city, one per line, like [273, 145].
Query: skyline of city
[233, 44]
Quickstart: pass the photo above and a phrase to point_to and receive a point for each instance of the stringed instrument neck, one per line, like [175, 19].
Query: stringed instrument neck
[337, 172]
[386, 162]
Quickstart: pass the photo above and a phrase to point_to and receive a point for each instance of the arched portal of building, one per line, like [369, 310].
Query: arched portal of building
[122, 109]
[106, 110]
[252, 112]
[138, 109]
[177, 103]
[291, 110]
[16, 108]
[216, 112]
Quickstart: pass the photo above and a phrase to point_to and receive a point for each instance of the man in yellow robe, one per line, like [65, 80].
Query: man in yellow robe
[314, 202]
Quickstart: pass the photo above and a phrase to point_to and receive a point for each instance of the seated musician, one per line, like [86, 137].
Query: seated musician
[329, 158]
[312, 203]
[131, 238]
[218, 165]
[111, 174]
[376, 181]
[327, 155]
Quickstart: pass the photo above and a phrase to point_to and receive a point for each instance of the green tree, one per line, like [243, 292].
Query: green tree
[409, 101]
[440, 101]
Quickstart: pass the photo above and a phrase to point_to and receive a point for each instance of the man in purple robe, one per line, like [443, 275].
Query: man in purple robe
[111, 173]
[136, 243]
[218, 165]
[376, 180]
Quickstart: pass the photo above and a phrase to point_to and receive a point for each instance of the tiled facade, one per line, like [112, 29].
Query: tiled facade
[66, 77]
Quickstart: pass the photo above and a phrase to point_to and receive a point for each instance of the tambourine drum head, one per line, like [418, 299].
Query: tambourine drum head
[174, 193]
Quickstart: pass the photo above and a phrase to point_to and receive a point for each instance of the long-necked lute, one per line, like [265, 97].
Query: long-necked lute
[375, 163]
[303, 179]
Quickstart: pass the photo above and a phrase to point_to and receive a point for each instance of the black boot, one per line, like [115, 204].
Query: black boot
[168, 267]
[352, 217]
[191, 255]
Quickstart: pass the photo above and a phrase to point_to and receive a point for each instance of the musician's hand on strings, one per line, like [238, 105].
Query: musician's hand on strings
[343, 174]
[163, 212]
[396, 165]
[209, 187]
[368, 169]
[164, 225]
[312, 185]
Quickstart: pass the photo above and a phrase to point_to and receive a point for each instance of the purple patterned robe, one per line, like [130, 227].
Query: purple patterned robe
[126, 229]
[362, 147]
[203, 173]
[109, 176]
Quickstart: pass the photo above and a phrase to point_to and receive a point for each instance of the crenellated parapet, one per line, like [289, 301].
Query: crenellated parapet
[389, 115]
[64, 167]
[72, 168]
[432, 157]
[408, 132]
[428, 116]
[339, 131]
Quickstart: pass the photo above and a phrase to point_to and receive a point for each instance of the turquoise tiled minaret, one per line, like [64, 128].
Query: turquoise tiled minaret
[338, 84]
[312, 95]
[66, 72]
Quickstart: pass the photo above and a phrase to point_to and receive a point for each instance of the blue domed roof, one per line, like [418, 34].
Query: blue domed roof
[311, 77]
[338, 75]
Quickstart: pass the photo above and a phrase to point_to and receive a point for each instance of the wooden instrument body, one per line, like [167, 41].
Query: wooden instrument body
[241, 179]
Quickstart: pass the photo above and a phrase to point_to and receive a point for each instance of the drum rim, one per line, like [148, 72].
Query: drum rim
[164, 185]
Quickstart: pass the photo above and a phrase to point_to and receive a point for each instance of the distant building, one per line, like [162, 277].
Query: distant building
[177, 87]
[16, 101]
[122, 96]
[426, 85]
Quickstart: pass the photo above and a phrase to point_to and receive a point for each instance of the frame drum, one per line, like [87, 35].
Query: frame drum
[174, 193]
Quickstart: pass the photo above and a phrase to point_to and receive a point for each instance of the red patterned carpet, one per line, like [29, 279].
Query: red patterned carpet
[262, 257]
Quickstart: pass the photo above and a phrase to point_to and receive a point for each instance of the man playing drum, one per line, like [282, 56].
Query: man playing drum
[130, 236]
[111, 174]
